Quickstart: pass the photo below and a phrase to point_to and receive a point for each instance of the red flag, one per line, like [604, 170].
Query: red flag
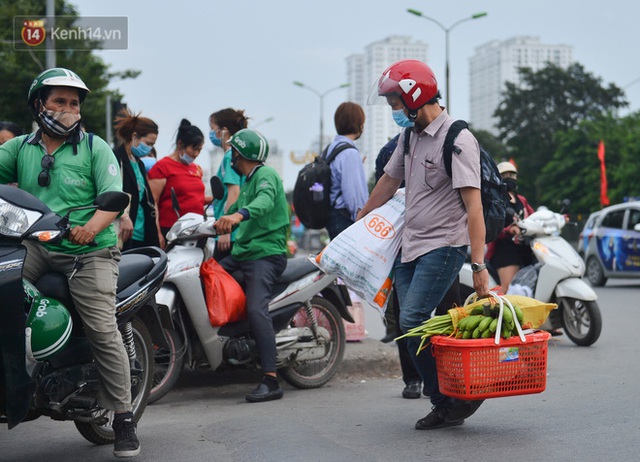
[604, 199]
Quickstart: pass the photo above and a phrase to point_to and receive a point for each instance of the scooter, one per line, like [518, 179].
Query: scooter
[307, 311]
[559, 278]
[46, 365]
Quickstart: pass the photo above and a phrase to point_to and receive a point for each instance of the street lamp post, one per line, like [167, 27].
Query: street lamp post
[446, 37]
[321, 96]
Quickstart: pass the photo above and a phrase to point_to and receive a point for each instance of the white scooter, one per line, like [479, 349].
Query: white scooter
[559, 278]
[307, 311]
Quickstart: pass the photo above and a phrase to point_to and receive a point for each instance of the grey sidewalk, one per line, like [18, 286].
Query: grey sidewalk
[369, 358]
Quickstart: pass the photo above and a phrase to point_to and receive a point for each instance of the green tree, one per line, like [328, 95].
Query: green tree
[492, 145]
[574, 171]
[20, 67]
[543, 105]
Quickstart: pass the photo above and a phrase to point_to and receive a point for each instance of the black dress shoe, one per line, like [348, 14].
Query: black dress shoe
[463, 410]
[388, 338]
[262, 393]
[412, 390]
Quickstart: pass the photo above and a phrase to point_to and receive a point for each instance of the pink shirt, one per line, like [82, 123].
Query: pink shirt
[435, 215]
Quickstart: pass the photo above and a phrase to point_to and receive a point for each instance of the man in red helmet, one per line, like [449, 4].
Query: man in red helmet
[443, 216]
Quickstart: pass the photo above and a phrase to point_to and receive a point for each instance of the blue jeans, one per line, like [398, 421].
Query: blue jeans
[421, 285]
[338, 221]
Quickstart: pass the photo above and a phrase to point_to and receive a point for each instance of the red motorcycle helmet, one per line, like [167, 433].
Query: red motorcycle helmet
[412, 81]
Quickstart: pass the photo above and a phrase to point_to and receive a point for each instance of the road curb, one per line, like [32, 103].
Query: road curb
[369, 358]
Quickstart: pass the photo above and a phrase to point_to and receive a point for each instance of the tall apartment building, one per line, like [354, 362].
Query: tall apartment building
[497, 62]
[362, 71]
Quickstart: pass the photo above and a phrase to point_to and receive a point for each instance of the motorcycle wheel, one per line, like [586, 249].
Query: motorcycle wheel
[595, 273]
[581, 320]
[317, 372]
[167, 366]
[140, 387]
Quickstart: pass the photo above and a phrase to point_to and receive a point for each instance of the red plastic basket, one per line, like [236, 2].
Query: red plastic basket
[479, 369]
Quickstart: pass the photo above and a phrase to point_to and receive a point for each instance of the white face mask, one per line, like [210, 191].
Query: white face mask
[59, 123]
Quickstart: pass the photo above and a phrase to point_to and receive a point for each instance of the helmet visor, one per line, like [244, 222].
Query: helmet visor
[385, 92]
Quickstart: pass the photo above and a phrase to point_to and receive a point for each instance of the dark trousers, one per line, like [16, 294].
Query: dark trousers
[258, 278]
[339, 220]
[452, 298]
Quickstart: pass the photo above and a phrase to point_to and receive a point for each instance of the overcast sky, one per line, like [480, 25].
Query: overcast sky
[198, 56]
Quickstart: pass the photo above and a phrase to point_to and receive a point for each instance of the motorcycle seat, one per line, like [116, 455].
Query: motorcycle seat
[296, 268]
[133, 267]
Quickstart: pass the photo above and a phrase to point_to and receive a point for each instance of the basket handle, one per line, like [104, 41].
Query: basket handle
[502, 302]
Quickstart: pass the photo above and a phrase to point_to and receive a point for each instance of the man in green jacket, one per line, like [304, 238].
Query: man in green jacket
[261, 214]
[65, 168]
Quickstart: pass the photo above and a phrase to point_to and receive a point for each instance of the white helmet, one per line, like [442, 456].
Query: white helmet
[507, 167]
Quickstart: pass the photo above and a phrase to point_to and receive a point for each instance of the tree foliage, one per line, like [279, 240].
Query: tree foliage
[544, 106]
[492, 145]
[574, 171]
[20, 67]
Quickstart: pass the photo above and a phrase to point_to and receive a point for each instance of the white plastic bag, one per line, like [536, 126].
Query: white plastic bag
[364, 253]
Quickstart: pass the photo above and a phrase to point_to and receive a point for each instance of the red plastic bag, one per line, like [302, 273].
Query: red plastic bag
[226, 301]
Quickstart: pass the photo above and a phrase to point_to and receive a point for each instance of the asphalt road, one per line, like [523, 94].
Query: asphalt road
[590, 411]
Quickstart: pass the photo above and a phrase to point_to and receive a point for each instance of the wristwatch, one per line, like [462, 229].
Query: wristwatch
[477, 267]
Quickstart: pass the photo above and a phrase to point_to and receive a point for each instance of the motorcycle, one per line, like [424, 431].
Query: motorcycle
[307, 309]
[46, 365]
[559, 278]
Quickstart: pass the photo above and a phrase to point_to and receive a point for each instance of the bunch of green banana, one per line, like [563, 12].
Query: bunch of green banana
[482, 322]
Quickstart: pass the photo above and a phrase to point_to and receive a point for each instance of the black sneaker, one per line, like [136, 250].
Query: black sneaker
[437, 419]
[126, 443]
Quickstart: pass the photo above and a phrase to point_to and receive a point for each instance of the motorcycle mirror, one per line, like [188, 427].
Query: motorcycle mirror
[112, 201]
[217, 189]
[175, 203]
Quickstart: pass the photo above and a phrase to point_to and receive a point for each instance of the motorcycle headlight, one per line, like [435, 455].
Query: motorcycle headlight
[15, 221]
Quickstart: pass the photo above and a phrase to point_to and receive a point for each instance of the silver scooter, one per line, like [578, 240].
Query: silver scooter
[559, 278]
[307, 309]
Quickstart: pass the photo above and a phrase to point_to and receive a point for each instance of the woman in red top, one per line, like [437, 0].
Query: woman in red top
[178, 171]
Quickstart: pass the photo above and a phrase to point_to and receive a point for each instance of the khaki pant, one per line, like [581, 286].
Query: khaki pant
[93, 290]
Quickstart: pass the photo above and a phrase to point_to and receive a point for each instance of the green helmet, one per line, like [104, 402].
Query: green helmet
[250, 144]
[56, 77]
[49, 327]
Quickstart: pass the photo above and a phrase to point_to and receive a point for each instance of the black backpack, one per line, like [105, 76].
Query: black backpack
[311, 192]
[495, 198]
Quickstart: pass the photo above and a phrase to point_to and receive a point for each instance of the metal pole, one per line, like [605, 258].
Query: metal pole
[446, 40]
[50, 43]
[108, 120]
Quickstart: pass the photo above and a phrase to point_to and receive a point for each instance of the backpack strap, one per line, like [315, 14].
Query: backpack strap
[407, 139]
[449, 147]
[336, 150]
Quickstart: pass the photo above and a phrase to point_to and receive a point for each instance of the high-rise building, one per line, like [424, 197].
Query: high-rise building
[362, 72]
[497, 62]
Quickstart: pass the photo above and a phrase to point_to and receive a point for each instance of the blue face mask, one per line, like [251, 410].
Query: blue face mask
[214, 139]
[141, 150]
[401, 118]
[148, 162]
[186, 158]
